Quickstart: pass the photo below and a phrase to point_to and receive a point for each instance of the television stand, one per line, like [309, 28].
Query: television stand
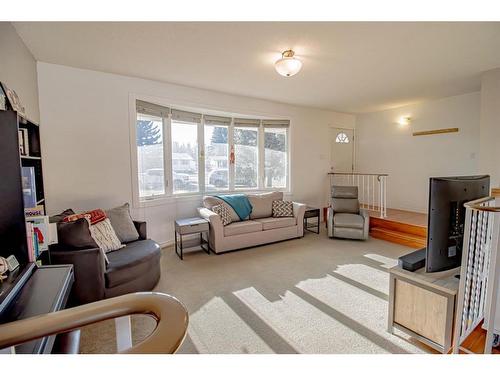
[422, 305]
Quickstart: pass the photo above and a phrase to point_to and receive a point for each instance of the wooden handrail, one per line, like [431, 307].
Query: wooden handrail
[477, 205]
[358, 174]
[171, 321]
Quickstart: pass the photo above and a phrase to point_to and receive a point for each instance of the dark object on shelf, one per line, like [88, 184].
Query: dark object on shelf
[13, 99]
[134, 268]
[12, 224]
[412, 261]
[447, 196]
[191, 226]
[46, 290]
[311, 212]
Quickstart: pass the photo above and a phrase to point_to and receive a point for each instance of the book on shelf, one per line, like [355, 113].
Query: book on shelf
[39, 210]
[29, 186]
[41, 233]
[24, 148]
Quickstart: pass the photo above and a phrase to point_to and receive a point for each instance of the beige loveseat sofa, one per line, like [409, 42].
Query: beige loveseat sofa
[260, 229]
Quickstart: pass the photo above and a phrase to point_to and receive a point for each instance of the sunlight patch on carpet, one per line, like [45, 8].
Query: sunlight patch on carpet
[306, 328]
[366, 275]
[216, 328]
[364, 309]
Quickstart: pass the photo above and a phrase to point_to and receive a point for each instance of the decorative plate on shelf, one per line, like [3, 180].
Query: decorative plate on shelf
[13, 99]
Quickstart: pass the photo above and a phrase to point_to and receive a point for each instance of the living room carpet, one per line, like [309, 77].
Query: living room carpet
[309, 295]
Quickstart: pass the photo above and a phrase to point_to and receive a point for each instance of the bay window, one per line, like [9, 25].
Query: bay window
[180, 152]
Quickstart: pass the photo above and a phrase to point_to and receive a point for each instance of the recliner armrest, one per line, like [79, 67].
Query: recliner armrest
[299, 209]
[141, 227]
[366, 224]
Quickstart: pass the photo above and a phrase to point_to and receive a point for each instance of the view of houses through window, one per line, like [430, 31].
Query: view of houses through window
[171, 145]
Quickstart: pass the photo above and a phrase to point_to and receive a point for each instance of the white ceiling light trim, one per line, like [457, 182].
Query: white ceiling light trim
[288, 65]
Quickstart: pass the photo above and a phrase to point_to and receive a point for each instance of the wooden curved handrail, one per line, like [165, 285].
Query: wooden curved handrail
[359, 174]
[171, 317]
[476, 205]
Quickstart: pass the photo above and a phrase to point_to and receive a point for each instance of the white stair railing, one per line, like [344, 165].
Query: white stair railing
[478, 273]
[372, 188]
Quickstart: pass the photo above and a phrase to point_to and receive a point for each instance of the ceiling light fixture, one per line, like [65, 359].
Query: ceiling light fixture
[404, 120]
[288, 65]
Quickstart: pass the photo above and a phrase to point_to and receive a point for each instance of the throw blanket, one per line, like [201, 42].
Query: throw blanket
[240, 204]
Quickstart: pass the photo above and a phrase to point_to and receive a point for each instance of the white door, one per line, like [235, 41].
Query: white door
[342, 150]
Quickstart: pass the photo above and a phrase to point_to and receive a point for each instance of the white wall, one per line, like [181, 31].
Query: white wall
[489, 158]
[18, 69]
[383, 146]
[86, 146]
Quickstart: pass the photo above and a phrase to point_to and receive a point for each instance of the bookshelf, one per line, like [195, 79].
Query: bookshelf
[26, 163]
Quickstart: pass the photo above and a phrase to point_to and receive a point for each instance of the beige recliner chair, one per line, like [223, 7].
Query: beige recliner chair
[345, 218]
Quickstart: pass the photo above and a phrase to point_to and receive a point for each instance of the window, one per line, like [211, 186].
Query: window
[180, 152]
[275, 154]
[184, 129]
[246, 153]
[216, 153]
[342, 138]
[150, 162]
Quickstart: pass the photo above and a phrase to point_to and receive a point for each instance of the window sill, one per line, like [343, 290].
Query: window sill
[179, 198]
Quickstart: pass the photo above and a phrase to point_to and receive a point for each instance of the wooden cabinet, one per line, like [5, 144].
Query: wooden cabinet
[423, 305]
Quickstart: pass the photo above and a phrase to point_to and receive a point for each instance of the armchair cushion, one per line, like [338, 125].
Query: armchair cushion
[345, 220]
[122, 223]
[75, 235]
[131, 262]
[347, 205]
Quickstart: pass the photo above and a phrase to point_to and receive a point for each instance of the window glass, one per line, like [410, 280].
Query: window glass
[246, 157]
[216, 158]
[150, 162]
[184, 157]
[342, 138]
[275, 157]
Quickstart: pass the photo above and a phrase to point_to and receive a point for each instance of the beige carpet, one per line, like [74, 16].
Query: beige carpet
[310, 295]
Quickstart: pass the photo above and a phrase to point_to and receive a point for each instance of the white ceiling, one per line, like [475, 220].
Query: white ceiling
[348, 66]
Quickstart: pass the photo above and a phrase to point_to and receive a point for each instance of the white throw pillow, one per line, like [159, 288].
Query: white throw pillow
[105, 237]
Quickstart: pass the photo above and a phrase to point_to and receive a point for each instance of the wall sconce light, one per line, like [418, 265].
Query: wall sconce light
[404, 120]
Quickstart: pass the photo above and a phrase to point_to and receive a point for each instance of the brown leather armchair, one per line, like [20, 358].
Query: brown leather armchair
[134, 268]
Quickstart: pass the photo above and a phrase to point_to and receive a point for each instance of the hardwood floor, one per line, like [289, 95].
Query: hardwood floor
[475, 342]
[401, 227]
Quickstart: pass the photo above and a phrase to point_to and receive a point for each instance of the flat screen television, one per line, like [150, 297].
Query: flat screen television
[445, 229]
[12, 222]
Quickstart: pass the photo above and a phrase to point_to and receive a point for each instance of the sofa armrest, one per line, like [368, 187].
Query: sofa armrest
[89, 267]
[216, 228]
[299, 209]
[141, 229]
[366, 224]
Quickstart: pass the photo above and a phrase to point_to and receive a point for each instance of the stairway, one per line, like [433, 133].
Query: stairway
[411, 235]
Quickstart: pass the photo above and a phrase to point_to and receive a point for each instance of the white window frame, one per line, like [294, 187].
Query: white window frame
[169, 195]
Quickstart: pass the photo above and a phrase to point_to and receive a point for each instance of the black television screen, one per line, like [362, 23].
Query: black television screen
[447, 196]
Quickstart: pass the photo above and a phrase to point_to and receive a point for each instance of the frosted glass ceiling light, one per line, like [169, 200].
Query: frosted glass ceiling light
[288, 65]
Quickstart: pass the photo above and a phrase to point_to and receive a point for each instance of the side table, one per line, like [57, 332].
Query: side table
[311, 212]
[193, 225]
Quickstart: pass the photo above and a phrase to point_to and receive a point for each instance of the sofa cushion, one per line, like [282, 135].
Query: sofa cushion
[262, 204]
[277, 222]
[122, 223]
[131, 262]
[345, 205]
[210, 201]
[242, 227]
[348, 221]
